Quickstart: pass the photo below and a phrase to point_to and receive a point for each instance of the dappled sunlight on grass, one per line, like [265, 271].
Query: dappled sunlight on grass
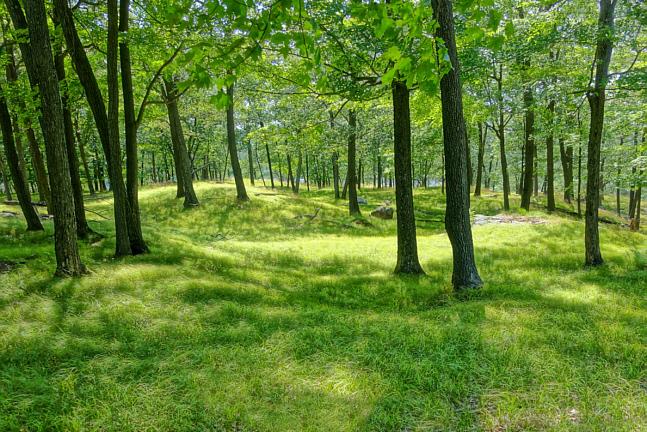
[248, 317]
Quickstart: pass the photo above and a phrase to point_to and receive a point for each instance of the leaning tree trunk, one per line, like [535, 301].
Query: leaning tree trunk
[82, 227]
[68, 261]
[241, 192]
[353, 205]
[596, 97]
[457, 217]
[550, 164]
[137, 243]
[19, 181]
[183, 166]
[407, 262]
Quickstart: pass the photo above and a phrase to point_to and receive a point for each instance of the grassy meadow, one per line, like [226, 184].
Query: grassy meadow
[253, 317]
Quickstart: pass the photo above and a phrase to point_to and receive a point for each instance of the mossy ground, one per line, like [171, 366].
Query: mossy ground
[246, 318]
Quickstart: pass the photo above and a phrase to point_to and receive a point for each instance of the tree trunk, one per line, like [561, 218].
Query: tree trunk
[107, 122]
[84, 157]
[82, 228]
[19, 181]
[183, 168]
[241, 192]
[137, 243]
[250, 159]
[550, 166]
[407, 260]
[529, 150]
[596, 97]
[457, 217]
[353, 205]
[566, 156]
[6, 184]
[269, 164]
[479, 161]
[68, 261]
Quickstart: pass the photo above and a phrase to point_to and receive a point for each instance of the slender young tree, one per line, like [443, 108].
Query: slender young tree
[457, 216]
[241, 192]
[353, 205]
[596, 97]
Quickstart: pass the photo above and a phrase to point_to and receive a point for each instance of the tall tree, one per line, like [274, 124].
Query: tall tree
[353, 205]
[596, 96]
[241, 192]
[457, 216]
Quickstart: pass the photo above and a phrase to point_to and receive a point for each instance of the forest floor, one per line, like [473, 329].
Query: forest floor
[254, 317]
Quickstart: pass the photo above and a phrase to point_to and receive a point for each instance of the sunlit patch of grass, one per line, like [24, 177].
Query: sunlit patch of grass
[251, 317]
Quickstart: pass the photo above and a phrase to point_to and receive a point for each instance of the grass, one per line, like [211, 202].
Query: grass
[245, 318]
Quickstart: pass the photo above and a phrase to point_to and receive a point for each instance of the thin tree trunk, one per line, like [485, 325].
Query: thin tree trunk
[479, 161]
[596, 97]
[183, 168]
[457, 217]
[407, 258]
[5, 180]
[529, 151]
[566, 156]
[250, 159]
[269, 164]
[241, 192]
[353, 205]
[84, 157]
[550, 167]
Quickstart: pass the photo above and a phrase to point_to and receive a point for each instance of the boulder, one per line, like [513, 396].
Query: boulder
[361, 200]
[383, 212]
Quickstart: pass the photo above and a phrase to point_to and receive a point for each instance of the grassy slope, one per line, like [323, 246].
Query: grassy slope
[287, 325]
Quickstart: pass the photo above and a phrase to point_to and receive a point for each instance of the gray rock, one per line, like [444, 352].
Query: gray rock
[361, 200]
[383, 212]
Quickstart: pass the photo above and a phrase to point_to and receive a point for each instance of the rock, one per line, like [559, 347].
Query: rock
[361, 200]
[8, 214]
[383, 212]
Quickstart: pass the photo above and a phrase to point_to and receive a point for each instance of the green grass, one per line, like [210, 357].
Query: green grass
[289, 325]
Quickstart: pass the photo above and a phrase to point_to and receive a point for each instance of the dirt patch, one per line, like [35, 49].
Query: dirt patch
[508, 219]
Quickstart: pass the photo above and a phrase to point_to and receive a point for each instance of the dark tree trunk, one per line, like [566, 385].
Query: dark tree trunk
[6, 183]
[407, 262]
[108, 128]
[353, 206]
[380, 172]
[307, 173]
[550, 168]
[281, 173]
[38, 163]
[269, 164]
[335, 173]
[137, 243]
[68, 261]
[290, 178]
[457, 217]
[479, 161]
[19, 181]
[500, 132]
[183, 167]
[468, 157]
[596, 97]
[579, 181]
[82, 227]
[241, 192]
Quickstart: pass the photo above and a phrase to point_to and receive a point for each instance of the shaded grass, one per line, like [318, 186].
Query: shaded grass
[288, 325]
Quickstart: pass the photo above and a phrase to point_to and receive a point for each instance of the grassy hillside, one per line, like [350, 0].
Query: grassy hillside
[253, 317]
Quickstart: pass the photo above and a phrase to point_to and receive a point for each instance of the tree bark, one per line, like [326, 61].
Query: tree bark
[6, 184]
[353, 205]
[19, 181]
[479, 161]
[183, 167]
[529, 150]
[269, 164]
[596, 97]
[241, 192]
[457, 217]
[550, 165]
[407, 259]
[68, 261]
[566, 156]
[137, 243]
[250, 160]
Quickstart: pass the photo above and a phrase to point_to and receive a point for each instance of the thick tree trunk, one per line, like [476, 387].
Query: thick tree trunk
[241, 192]
[596, 97]
[479, 161]
[19, 181]
[68, 261]
[183, 167]
[108, 130]
[457, 217]
[353, 205]
[82, 227]
[407, 261]
[550, 164]
[137, 243]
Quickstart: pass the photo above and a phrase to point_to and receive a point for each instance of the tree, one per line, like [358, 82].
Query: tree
[457, 216]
